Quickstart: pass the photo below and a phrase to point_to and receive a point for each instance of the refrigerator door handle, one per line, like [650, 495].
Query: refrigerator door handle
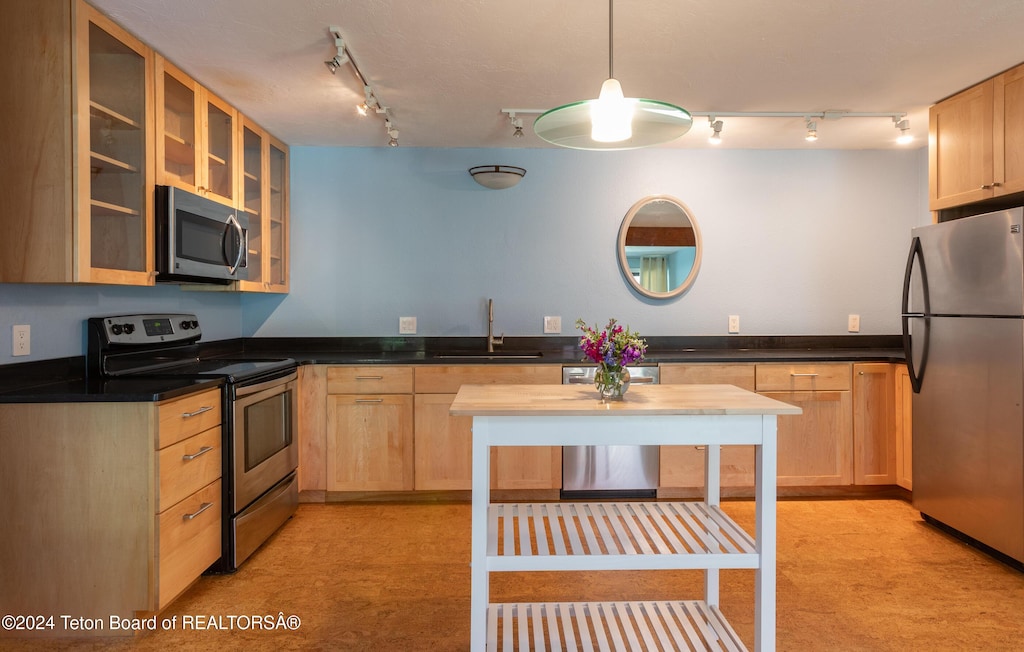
[916, 375]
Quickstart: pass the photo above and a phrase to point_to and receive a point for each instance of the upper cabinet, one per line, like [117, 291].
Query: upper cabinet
[197, 137]
[78, 200]
[975, 143]
[264, 199]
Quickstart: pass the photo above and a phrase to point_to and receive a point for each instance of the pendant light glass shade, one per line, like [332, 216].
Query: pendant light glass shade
[653, 123]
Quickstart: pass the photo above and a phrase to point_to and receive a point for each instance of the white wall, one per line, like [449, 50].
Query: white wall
[794, 241]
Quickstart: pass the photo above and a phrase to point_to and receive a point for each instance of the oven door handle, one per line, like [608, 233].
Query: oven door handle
[232, 222]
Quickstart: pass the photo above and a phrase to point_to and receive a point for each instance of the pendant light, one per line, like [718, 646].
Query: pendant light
[612, 121]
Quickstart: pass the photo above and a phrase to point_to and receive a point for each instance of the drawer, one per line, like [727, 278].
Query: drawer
[189, 541]
[188, 466]
[375, 379]
[191, 415]
[809, 377]
[432, 379]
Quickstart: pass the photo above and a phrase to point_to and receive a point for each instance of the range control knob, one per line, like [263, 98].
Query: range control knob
[185, 325]
[129, 329]
[195, 324]
[116, 329]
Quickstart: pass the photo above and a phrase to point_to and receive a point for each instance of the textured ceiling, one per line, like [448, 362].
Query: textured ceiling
[447, 68]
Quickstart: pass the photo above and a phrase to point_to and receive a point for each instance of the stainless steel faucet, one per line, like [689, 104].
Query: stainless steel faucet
[491, 339]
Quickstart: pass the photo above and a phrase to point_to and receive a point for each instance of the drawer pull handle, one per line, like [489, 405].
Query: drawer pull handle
[369, 400]
[804, 375]
[189, 415]
[202, 451]
[369, 377]
[642, 379]
[202, 508]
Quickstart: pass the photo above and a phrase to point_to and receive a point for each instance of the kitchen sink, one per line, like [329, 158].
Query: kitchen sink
[488, 355]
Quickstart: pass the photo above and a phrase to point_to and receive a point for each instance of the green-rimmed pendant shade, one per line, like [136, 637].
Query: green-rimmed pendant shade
[654, 123]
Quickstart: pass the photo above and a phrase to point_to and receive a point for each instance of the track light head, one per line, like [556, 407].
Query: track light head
[904, 126]
[517, 125]
[333, 65]
[812, 131]
[716, 130]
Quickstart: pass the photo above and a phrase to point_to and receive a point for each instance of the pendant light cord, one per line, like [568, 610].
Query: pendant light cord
[611, 44]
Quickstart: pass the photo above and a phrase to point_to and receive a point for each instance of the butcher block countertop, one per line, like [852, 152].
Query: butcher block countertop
[582, 400]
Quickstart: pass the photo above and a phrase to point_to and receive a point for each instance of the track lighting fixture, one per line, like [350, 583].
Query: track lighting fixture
[716, 130]
[812, 131]
[517, 125]
[371, 103]
[904, 126]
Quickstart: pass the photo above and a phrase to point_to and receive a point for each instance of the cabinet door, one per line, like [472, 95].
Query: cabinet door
[874, 416]
[277, 209]
[1008, 129]
[904, 428]
[526, 467]
[369, 442]
[253, 203]
[114, 225]
[815, 447]
[178, 128]
[220, 132]
[444, 445]
[960, 147]
[683, 466]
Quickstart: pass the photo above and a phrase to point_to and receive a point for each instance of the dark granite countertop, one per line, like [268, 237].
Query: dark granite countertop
[64, 380]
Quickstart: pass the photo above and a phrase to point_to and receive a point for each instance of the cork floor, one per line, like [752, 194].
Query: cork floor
[852, 575]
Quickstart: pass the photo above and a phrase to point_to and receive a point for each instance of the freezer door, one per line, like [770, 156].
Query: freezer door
[973, 266]
[968, 440]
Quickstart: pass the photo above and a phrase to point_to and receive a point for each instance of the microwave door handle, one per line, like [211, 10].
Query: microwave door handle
[232, 222]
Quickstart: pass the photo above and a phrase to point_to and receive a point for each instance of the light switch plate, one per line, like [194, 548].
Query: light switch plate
[406, 325]
[734, 323]
[552, 324]
[853, 324]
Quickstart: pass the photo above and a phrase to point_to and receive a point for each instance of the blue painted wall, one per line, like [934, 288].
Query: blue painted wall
[794, 241]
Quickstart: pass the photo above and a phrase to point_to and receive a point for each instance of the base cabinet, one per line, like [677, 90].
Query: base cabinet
[874, 424]
[904, 428]
[116, 505]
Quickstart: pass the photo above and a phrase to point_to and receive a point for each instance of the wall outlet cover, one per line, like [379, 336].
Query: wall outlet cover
[734, 323]
[406, 325]
[21, 341]
[853, 324]
[552, 324]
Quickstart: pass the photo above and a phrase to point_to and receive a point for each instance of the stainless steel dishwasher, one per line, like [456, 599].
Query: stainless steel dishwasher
[609, 471]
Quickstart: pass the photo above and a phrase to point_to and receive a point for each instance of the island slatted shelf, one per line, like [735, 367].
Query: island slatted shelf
[582, 536]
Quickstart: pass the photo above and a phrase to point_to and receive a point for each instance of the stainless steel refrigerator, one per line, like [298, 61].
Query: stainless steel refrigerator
[963, 330]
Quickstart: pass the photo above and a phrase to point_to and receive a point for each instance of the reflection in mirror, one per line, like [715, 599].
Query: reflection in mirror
[659, 247]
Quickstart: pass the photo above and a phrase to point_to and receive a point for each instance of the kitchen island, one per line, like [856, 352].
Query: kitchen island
[656, 535]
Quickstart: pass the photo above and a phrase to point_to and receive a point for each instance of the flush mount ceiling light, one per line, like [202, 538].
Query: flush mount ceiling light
[612, 121]
[371, 103]
[497, 177]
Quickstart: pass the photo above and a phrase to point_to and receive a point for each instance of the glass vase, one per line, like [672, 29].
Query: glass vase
[611, 382]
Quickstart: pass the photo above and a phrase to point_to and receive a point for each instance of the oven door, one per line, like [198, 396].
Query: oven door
[264, 428]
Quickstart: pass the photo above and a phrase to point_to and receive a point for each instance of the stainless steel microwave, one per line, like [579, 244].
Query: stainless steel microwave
[198, 240]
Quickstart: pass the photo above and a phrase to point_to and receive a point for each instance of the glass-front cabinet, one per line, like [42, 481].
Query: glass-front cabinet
[196, 136]
[264, 195]
[77, 138]
[278, 214]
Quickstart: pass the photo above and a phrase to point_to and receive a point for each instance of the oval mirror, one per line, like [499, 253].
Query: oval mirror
[659, 247]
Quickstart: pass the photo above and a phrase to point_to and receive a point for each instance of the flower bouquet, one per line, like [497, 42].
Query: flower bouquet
[611, 349]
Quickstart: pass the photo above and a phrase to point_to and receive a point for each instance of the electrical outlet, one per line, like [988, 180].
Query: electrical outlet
[22, 340]
[734, 323]
[552, 324]
[406, 325]
[853, 324]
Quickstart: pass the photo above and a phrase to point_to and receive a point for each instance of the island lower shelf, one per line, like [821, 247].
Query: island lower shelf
[647, 625]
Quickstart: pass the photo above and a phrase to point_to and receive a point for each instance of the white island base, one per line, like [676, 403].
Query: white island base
[620, 535]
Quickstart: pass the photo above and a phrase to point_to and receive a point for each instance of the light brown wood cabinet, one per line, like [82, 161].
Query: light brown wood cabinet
[132, 488]
[683, 466]
[874, 423]
[197, 143]
[369, 428]
[444, 444]
[263, 193]
[975, 139]
[816, 447]
[904, 428]
[78, 142]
